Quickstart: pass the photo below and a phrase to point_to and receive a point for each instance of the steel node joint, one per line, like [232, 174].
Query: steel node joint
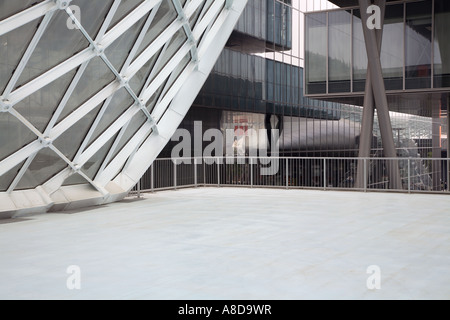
[98, 49]
[45, 141]
[5, 105]
[62, 4]
[124, 81]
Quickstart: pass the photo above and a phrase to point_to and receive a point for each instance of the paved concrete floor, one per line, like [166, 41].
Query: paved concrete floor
[231, 243]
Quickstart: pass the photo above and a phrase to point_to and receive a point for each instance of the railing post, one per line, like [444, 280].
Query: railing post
[409, 175]
[325, 174]
[204, 172]
[175, 174]
[365, 174]
[195, 172]
[218, 172]
[251, 172]
[152, 177]
[139, 189]
[287, 173]
[448, 162]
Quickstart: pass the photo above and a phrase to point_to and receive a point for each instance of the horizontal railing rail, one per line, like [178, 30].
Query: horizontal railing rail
[325, 173]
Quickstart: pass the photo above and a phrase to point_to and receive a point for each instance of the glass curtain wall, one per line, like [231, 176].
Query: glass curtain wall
[414, 54]
[441, 44]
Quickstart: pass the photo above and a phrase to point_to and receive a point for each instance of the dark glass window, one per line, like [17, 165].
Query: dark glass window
[316, 53]
[392, 56]
[418, 34]
[441, 44]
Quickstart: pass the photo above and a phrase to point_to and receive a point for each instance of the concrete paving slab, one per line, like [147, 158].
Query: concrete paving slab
[233, 243]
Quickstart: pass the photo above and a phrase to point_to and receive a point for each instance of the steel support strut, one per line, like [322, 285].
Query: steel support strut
[368, 116]
[379, 95]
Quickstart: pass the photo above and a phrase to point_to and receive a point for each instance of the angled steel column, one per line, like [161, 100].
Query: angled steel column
[365, 137]
[379, 93]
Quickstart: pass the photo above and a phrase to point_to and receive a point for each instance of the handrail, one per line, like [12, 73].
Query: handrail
[325, 173]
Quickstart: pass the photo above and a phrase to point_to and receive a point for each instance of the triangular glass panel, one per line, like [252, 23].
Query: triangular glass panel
[8, 8]
[119, 50]
[96, 77]
[57, 44]
[7, 178]
[165, 15]
[125, 7]
[12, 47]
[45, 165]
[91, 167]
[92, 19]
[39, 107]
[136, 123]
[138, 81]
[13, 135]
[120, 102]
[75, 179]
[70, 141]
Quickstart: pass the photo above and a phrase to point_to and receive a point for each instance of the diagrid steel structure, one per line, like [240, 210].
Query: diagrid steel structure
[92, 90]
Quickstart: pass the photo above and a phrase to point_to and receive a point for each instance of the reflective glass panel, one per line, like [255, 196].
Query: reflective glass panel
[442, 44]
[8, 177]
[57, 44]
[392, 50]
[96, 76]
[45, 165]
[340, 44]
[70, 141]
[39, 107]
[316, 53]
[93, 18]
[9, 8]
[360, 60]
[418, 34]
[12, 47]
[13, 135]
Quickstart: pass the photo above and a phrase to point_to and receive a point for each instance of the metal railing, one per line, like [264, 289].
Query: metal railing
[416, 174]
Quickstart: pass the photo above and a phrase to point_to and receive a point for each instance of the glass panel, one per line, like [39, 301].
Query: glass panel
[340, 44]
[175, 44]
[9, 8]
[45, 165]
[165, 15]
[93, 19]
[57, 44]
[96, 76]
[91, 167]
[316, 53]
[8, 177]
[418, 36]
[392, 56]
[139, 79]
[360, 60]
[12, 47]
[136, 123]
[74, 180]
[120, 102]
[70, 141]
[441, 44]
[125, 7]
[13, 135]
[118, 51]
[39, 107]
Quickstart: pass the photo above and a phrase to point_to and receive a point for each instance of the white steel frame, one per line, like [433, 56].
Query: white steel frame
[117, 176]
